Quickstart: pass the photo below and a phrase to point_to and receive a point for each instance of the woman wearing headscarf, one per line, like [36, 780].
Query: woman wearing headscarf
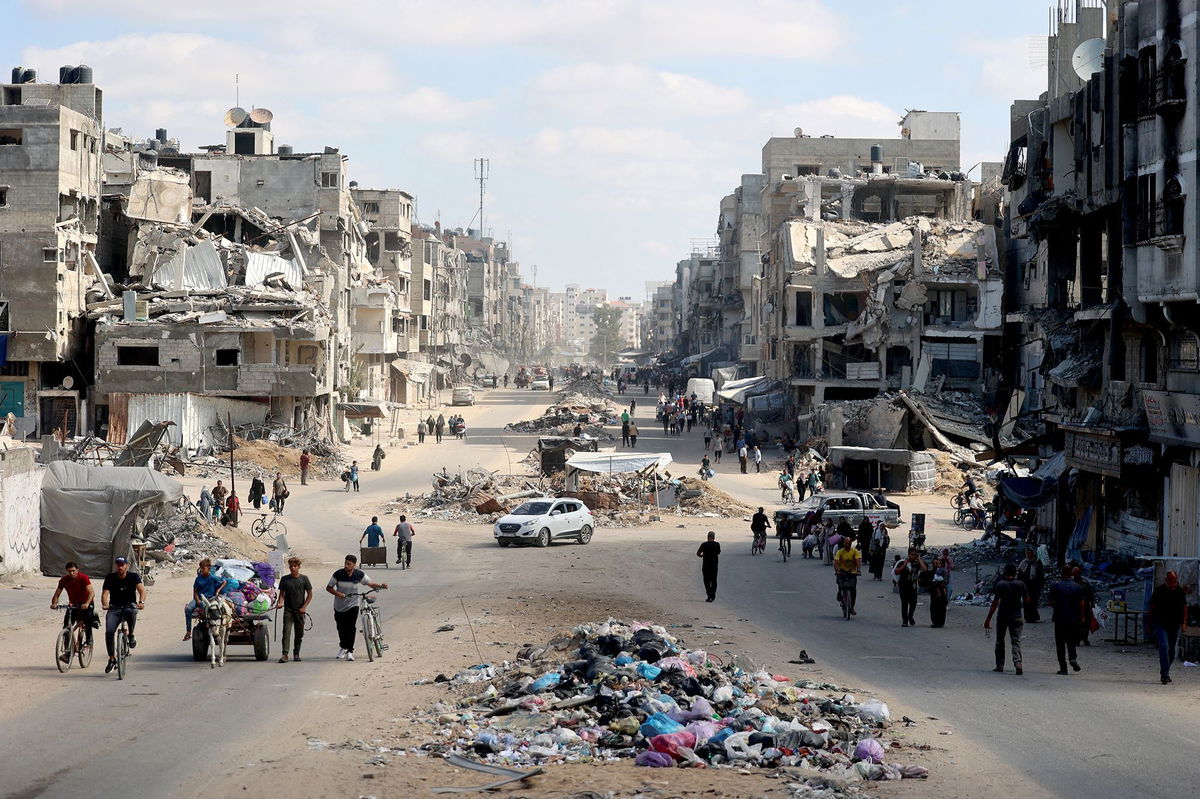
[877, 552]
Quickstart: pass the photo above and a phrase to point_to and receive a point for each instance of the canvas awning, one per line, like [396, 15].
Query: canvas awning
[1037, 489]
[736, 390]
[363, 410]
[618, 462]
[897, 457]
[691, 359]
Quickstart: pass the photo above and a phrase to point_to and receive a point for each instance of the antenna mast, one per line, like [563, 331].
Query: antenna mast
[481, 175]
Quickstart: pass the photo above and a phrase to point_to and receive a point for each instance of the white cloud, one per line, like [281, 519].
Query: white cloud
[844, 116]
[603, 92]
[792, 29]
[1008, 69]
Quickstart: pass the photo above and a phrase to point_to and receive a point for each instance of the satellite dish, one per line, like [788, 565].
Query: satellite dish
[1088, 58]
[235, 116]
[261, 116]
[68, 382]
[798, 132]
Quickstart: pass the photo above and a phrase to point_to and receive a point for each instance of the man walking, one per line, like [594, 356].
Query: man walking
[1008, 598]
[710, 551]
[279, 492]
[305, 460]
[439, 427]
[346, 587]
[295, 592]
[404, 533]
[742, 455]
[907, 574]
[1168, 617]
[1066, 598]
[757, 453]
[1033, 574]
[373, 534]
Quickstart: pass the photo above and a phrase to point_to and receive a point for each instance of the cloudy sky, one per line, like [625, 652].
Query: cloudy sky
[613, 126]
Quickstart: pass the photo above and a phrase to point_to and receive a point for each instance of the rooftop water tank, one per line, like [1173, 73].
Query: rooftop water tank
[65, 72]
[285, 149]
[876, 153]
[29, 76]
[17, 72]
[83, 74]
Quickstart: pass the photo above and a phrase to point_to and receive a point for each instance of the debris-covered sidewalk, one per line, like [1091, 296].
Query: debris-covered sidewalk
[621, 690]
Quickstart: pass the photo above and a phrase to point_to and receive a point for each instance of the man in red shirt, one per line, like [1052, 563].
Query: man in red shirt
[305, 460]
[80, 593]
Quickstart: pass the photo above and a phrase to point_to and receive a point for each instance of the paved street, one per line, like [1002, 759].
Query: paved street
[65, 735]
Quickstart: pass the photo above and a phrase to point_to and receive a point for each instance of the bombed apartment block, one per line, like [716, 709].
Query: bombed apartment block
[870, 307]
[49, 219]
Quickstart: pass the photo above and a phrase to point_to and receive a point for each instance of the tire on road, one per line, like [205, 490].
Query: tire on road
[502, 542]
[543, 537]
[262, 642]
[585, 534]
[200, 644]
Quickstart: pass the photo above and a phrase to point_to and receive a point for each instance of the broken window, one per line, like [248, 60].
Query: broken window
[12, 95]
[74, 140]
[227, 357]
[329, 180]
[803, 309]
[4, 324]
[243, 143]
[10, 136]
[841, 309]
[1185, 352]
[137, 356]
[428, 294]
[954, 359]
[3, 196]
[202, 184]
[49, 255]
[370, 207]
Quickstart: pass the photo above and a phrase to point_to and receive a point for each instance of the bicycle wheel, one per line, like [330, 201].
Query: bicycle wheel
[379, 644]
[783, 551]
[62, 650]
[367, 632]
[970, 522]
[121, 647]
[957, 501]
[258, 527]
[84, 649]
[277, 528]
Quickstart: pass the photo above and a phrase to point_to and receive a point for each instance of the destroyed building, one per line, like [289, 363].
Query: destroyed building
[50, 187]
[1103, 282]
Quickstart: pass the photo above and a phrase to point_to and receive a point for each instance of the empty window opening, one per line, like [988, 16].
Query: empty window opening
[243, 143]
[137, 356]
[4, 328]
[74, 140]
[803, 309]
[370, 207]
[329, 180]
[3, 196]
[227, 357]
[10, 136]
[50, 255]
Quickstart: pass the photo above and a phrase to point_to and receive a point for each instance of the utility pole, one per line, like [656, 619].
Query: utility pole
[482, 167]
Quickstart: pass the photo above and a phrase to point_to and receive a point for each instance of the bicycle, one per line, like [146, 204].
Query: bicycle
[372, 630]
[261, 526]
[760, 543]
[785, 547]
[71, 642]
[845, 582]
[121, 642]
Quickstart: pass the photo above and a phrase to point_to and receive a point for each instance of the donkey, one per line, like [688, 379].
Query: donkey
[218, 617]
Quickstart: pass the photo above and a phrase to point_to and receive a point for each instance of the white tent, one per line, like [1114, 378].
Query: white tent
[618, 462]
[736, 390]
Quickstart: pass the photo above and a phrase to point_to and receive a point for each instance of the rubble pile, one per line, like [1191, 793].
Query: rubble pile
[177, 534]
[266, 457]
[632, 691]
[702, 498]
[582, 401]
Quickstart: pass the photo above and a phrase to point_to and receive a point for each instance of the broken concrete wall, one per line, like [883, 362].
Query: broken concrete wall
[20, 510]
[160, 195]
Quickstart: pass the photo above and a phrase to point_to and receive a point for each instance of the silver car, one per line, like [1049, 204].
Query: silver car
[544, 519]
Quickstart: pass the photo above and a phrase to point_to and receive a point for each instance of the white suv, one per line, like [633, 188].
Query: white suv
[463, 395]
[542, 520]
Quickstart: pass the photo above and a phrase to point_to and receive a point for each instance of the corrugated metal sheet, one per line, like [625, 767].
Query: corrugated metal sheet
[118, 418]
[198, 267]
[261, 264]
[1183, 539]
[192, 414]
[1132, 535]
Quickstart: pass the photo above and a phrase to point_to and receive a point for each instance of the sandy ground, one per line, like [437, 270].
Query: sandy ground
[246, 729]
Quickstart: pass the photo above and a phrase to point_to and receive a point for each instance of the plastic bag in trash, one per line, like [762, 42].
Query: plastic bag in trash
[723, 694]
[869, 749]
[660, 724]
[737, 747]
[624, 659]
[703, 730]
[545, 682]
[654, 759]
[646, 671]
[670, 742]
[875, 711]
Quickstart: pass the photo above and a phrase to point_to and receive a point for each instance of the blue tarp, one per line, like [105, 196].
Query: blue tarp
[1029, 492]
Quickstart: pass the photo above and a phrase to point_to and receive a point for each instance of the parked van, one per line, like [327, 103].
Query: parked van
[703, 388]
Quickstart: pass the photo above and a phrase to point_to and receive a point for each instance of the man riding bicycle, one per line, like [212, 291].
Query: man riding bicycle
[81, 595]
[847, 563]
[758, 525]
[122, 595]
[783, 531]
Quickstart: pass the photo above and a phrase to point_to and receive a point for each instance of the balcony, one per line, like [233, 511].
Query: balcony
[1168, 94]
[1160, 224]
[853, 371]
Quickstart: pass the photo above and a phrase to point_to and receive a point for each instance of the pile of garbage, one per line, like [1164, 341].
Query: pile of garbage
[250, 586]
[702, 498]
[621, 690]
[177, 532]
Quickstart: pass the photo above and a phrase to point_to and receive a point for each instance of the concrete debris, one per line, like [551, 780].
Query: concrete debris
[620, 691]
[582, 402]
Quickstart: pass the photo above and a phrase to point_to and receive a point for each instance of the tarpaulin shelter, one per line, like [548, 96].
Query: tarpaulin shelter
[554, 451]
[737, 390]
[89, 512]
[617, 462]
[1037, 489]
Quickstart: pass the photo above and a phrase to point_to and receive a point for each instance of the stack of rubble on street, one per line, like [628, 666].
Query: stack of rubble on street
[621, 690]
[176, 533]
[582, 402]
[702, 498]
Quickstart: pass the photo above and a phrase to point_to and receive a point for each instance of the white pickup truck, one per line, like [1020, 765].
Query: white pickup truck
[852, 505]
